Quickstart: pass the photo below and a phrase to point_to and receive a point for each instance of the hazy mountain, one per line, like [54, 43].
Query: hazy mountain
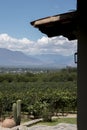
[56, 60]
[16, 58]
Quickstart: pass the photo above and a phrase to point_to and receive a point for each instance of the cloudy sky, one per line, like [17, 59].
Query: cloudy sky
[17, 34]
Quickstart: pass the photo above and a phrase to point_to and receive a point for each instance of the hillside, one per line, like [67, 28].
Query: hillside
[17, 58]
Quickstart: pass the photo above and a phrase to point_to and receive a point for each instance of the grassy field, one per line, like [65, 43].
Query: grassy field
[60, 120]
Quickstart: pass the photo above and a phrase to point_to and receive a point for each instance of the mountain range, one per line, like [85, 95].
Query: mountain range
[17, 58]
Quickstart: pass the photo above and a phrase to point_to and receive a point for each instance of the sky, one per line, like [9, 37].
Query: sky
[17, 34]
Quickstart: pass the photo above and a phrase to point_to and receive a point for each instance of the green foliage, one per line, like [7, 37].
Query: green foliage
[57, 88]
[47, 112]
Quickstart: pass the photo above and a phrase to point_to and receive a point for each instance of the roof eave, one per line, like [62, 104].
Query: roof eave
[63, 24]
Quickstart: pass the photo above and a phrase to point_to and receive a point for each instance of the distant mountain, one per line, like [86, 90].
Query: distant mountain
[17, 58]
[56, 60]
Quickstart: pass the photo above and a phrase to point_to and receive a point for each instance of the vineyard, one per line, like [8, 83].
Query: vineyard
[42, 94]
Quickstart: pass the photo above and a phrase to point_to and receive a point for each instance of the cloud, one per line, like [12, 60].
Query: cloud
[55, 45]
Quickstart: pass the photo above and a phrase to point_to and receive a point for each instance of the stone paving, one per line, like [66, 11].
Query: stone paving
[61, 126]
